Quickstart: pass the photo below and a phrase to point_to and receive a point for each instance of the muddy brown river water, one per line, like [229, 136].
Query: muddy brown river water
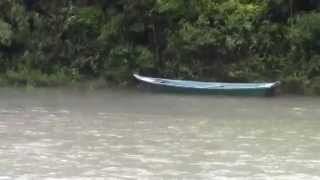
[117, 134]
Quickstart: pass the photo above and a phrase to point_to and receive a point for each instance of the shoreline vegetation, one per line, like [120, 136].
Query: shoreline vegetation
[62, 43]
[65, 81]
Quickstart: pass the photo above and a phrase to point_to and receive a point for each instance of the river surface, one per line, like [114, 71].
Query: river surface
[116, 134]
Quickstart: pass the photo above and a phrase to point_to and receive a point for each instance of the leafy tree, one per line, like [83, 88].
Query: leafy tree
[233, 40]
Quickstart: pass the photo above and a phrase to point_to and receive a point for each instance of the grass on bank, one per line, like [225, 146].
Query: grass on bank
[36, 78]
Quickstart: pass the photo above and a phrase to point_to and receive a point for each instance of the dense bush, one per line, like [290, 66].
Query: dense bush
[229, 40]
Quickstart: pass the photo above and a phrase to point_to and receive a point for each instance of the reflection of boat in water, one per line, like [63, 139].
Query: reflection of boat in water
[210, 87]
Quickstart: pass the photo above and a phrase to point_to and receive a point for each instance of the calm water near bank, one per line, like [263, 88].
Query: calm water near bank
[117, 134]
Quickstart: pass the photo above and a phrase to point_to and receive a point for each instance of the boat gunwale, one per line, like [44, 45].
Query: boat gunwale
[210, 85]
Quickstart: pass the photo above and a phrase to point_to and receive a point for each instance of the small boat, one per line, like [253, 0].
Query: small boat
[219, 88]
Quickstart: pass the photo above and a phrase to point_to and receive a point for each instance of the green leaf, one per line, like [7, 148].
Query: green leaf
[5, 33]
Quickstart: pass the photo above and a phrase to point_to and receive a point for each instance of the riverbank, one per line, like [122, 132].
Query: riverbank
[37, 80]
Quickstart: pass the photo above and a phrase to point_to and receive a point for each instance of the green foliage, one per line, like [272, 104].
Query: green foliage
[235, 40]
[125, 60]
[31, 77]
[305, 31]
[5, 34]
[315, 85]
[84, 21]
[295, 83]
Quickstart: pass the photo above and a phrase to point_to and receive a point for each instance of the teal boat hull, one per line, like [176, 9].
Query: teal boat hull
[209, 88]
[229, 92]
